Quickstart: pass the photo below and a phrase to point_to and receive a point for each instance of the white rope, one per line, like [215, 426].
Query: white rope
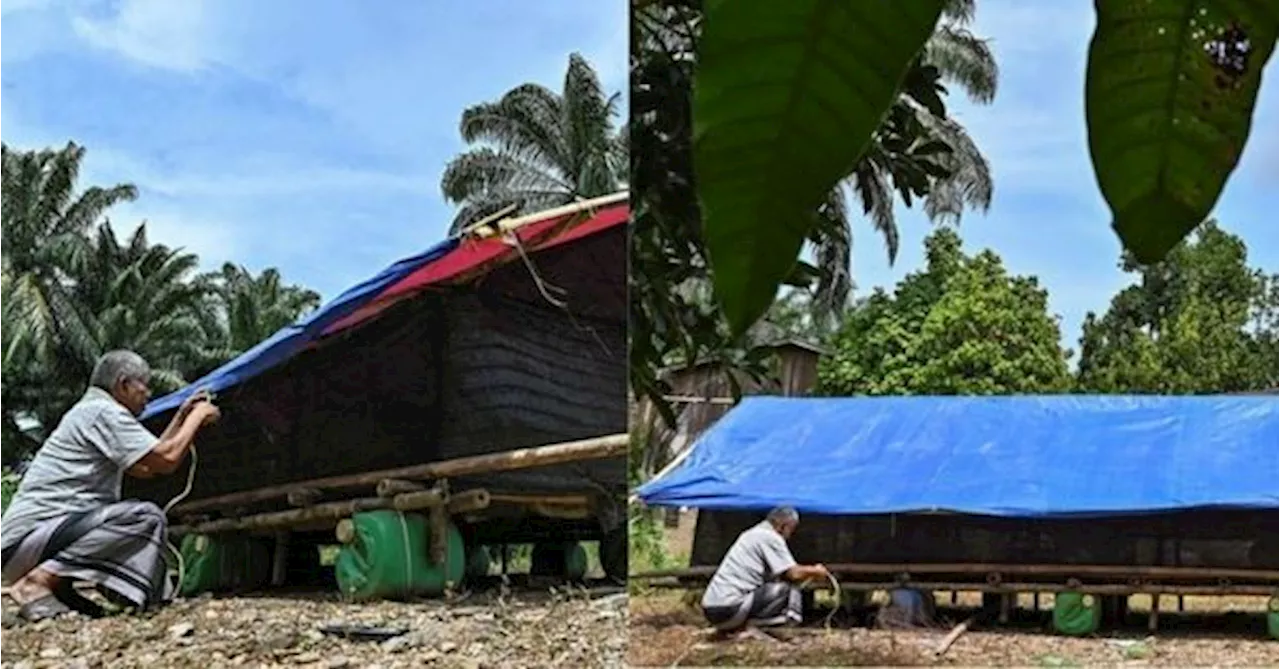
[839, 595]
[191, 479]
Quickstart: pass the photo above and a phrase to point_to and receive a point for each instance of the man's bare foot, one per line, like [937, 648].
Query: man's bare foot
[756, 634]
[783, 633]
[37, 584]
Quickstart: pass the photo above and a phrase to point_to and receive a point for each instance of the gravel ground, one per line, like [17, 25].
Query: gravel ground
[526, 630]
[666, 632]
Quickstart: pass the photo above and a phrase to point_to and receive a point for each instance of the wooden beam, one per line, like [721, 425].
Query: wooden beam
[596, 448]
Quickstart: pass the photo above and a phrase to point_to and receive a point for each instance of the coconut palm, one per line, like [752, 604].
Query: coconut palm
[535, 148]
[957, 179]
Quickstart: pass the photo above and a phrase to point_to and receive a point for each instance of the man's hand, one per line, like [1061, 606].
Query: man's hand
[192, 400]
[804, 573]
[209, 413]
[141, 471]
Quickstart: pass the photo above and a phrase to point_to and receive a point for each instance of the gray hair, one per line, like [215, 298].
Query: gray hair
[116, 366]
[783, 514]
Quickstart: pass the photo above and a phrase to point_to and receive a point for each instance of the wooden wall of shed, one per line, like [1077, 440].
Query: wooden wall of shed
[703, 389]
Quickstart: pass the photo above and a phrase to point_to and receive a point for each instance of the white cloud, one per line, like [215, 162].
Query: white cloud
[158, 33]
[214, 241]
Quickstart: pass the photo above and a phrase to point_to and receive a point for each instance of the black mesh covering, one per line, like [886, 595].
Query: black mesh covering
[486, 367]
[1224, 539]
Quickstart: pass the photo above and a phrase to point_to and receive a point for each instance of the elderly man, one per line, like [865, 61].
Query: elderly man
[757, 582]
[67, 521]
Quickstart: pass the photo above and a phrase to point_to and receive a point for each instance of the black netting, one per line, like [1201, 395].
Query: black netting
[486, 367]
[1228, 539]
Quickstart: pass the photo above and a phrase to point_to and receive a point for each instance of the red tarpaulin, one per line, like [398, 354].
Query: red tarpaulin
[474, 254]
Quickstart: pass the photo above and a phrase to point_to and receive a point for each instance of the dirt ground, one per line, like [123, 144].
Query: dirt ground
[666, 631]
[518, 630]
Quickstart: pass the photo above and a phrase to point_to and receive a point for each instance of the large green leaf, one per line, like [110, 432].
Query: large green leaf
[786, 98]
[1169, 98]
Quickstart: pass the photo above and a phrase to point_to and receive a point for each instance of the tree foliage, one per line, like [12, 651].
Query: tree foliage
[961, 325]
[1201, 321]
[916, 152]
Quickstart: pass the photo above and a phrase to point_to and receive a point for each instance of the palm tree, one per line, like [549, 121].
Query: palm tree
[537, 149]
[960, 178]
[254, 308]
[44, 230]
[142, 296]
[19, 394]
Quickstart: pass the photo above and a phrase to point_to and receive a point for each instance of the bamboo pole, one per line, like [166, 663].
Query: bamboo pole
[526, 458]
[545, 500]
[952, 636]
[506, 225]
[422, 499]
[304, 497]
[438, 519]
[476, 499]
[345, 532]
[334, 511]
[393, 487]
[1110, 589]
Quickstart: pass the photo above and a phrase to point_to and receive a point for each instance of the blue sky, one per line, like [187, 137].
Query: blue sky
[1047, 217]
[306, 135]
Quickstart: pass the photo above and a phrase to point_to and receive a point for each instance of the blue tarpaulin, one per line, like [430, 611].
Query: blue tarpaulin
[1012, 456]
[293, 339]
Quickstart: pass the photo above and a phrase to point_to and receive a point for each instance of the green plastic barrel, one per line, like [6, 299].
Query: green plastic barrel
[1273, 621]
[1076, 614]
[223, 563]
[567, 560]
[389, 556]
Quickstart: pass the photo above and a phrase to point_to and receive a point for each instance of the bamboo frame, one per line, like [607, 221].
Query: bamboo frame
[393, 487]
[335, 511]
[596, 448]
[488, 228]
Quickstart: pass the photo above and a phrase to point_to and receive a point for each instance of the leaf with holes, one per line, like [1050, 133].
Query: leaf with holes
[1169, 97]
[786, 97]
